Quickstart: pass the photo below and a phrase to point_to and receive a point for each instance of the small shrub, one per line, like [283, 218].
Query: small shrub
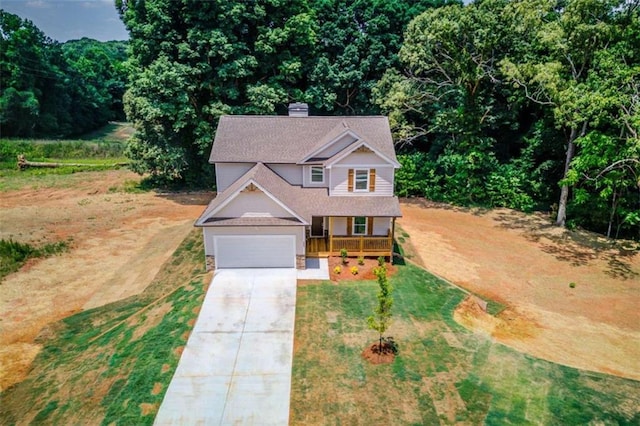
[344, 254]
[354, 270]
[337, 269]
[381, 261]
[361, 260]
[572, 285]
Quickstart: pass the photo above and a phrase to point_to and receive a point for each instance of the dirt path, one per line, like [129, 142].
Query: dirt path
[119, 241]
[527, 264]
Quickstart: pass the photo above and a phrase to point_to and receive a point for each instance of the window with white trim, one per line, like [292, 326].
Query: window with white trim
[317, 174]
[361, 180]
[359, 225]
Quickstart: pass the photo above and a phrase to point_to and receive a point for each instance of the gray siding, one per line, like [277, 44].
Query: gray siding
[339, 176]
[337, 146]
[227, 173]
[362, 159]
[381, 225]
[292, 173]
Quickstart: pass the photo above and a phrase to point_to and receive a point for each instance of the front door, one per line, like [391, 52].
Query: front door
[317, 226]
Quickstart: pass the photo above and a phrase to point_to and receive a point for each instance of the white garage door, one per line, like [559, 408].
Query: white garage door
[255, 251]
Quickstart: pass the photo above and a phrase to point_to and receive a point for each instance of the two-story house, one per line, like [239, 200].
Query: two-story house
[298, 186]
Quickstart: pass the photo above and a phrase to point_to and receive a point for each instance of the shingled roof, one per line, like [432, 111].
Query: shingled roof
[304, 202]
[284, 139]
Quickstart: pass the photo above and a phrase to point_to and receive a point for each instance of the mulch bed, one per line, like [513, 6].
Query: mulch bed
[374, 355]
[365, 271]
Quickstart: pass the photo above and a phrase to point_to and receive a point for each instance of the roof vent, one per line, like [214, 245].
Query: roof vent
[298, 109]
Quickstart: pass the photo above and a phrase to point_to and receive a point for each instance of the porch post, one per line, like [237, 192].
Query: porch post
[330, 235]
[393, 231]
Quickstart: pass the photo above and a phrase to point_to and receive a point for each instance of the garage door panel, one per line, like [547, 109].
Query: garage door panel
[263, 251]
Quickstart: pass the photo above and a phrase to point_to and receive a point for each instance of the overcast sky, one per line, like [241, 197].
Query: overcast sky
[64, 20]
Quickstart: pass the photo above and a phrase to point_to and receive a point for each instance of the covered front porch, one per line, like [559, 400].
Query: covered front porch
[360, 236]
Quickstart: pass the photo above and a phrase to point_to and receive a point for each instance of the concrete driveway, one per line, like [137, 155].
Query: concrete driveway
[236, 366]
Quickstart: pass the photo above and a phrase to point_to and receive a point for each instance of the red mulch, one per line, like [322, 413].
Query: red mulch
[365, 272]
[374, 355]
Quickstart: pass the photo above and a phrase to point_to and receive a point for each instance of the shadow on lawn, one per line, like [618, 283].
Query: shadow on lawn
[578, 248]
[428, 204]
[189, 198]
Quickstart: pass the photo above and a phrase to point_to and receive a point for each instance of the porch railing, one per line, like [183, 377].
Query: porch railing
[361, 244]
[355, 245]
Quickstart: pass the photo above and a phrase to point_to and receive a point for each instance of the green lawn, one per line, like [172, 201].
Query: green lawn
[112, 365]
[14, 254]
[443, 374]
[100, 150]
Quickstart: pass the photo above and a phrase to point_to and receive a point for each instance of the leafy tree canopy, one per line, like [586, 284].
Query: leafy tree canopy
[193, 61]
[56, 90]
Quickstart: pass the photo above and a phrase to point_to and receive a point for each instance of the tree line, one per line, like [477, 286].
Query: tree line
[529, 104]
[192, 61]
[524, 104]
[52, 89]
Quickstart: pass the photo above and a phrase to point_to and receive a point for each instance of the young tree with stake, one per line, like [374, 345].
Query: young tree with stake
[381, 320]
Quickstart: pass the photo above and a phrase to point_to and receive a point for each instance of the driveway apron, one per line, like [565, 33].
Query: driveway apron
[236, 366]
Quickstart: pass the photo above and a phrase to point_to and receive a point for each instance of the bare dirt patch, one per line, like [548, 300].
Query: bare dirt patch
[146, 408]
[528, 264]
[119, 241]
[157, 388]
[15, 361]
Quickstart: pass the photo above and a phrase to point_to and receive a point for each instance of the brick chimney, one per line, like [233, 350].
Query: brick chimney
[298, 109]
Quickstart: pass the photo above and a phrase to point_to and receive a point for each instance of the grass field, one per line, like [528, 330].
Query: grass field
[99, 150]
[443, 374]
[14, 254]
[112, 364]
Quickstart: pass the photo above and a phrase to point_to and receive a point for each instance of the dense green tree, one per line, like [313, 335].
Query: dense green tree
[52, 89]
[449, 101]
[606, 169]
[192, 61]
[99, 68]
[562, 40]
[357, 42]
[24, 70]
[515, 103]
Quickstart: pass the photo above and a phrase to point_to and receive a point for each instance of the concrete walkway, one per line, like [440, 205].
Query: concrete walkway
[317, 269]
[236, 366]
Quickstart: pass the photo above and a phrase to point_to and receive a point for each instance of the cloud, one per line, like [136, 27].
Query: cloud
[39, 4]
[96, 3]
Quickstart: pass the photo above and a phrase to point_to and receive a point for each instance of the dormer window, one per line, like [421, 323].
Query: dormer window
[361, 180]
[317, 174]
